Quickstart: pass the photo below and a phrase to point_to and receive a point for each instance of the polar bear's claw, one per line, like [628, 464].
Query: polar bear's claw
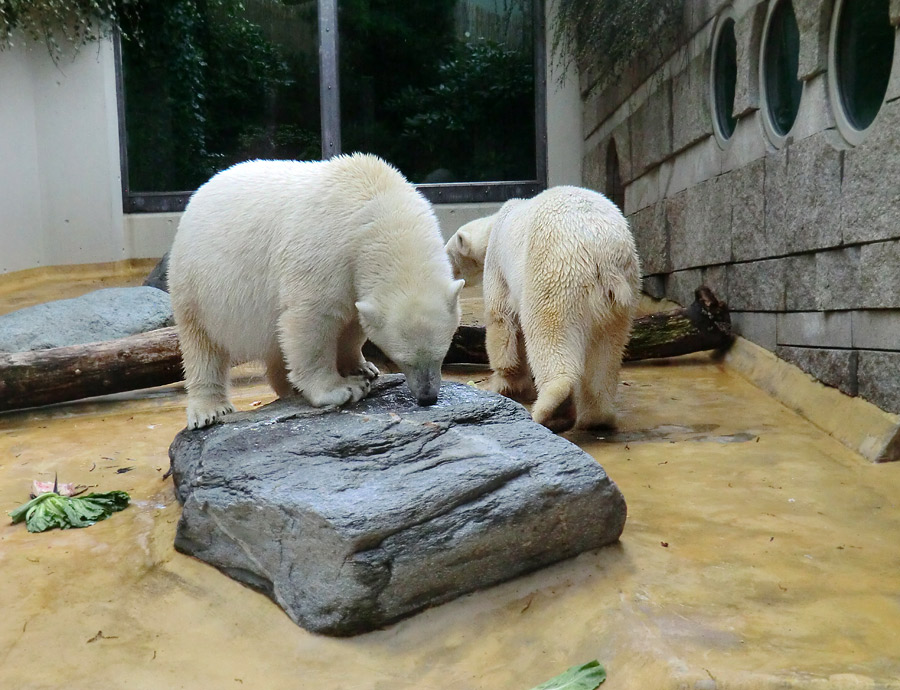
[360, 387]
[202, 414]
[351, 389]
[369, 370]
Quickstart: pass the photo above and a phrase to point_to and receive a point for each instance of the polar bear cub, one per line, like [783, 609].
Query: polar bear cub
[295, 264]
[562, 281]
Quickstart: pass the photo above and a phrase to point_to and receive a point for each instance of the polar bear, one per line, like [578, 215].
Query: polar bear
[296, 264]
[562, 281]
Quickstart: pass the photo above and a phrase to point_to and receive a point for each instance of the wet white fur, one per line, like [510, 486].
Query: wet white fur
[561, 284]
[295, 264]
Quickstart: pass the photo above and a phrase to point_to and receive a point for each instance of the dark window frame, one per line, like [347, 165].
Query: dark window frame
[451, 193]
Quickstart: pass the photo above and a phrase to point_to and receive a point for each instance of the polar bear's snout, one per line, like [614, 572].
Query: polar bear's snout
[424, 382]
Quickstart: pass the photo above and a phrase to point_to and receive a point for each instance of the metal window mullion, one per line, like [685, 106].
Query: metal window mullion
[540, 90]
[329, 91]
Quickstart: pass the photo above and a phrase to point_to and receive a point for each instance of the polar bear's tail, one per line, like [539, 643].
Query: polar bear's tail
[622, 283]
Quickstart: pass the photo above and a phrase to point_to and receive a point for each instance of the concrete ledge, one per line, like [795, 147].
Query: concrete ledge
[859, 425]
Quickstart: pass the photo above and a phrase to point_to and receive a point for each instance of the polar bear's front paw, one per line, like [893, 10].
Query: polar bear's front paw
[368, 370]
[201, 413]
[349, 389]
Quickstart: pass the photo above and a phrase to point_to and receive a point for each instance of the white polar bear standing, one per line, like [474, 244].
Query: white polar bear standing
[562, 281]
[296, 264]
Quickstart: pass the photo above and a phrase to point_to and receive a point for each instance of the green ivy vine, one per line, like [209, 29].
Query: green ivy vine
[56, 21]
[611, 33]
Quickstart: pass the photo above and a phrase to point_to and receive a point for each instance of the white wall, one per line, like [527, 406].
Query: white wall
[60, 198]
[21, 224]
[564, 116]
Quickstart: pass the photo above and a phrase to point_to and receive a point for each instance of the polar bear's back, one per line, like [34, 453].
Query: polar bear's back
[572, 221]
[568, 238]
[257, 229]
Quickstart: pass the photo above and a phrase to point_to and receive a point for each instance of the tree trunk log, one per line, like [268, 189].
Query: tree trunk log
[704, 325]
[44, 377]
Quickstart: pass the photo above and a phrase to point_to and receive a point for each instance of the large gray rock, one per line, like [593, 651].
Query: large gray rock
[351, 519]
[159, 276]
[100, 315]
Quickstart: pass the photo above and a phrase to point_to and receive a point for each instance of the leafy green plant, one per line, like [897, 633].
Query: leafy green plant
[588, 676]
[610, 33]
[50, 510]
[73, 21]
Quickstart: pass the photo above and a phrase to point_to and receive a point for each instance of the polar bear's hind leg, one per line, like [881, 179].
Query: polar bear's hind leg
[597, 395]
[505, 346]
[556, 355]
[277, 375]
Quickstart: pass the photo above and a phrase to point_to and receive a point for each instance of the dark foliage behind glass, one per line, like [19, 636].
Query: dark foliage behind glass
[782, 58]
[442, 89]
[726, 78]
[209, 83]
[865, 51]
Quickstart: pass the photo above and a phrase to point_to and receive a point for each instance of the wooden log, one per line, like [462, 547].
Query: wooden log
[44, 377]
[704, 325]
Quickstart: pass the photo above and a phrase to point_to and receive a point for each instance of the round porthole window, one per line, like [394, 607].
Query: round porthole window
[860, 57]
[724, 77]
[781, 90]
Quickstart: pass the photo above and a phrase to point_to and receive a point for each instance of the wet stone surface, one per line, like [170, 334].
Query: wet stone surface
[355, 518]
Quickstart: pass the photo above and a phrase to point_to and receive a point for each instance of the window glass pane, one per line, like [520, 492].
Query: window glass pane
[442, 89]
[209, 83]
[725, 78]
[865, 51]
[782, 57]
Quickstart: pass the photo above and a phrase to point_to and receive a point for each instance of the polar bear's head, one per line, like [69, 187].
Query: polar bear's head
[468, 247]
[415, 331]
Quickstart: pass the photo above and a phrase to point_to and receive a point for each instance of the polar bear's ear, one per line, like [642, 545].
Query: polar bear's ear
[455, 287]
[464, 242]
[368, 315]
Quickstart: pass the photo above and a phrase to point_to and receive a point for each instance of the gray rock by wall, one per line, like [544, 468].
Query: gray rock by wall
[100, 315]
[353, 518]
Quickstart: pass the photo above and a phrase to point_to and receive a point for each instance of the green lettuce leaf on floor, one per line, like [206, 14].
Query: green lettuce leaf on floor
[586, 677]
[50, 510]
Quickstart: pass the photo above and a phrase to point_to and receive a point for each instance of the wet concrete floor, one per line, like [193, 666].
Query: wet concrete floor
[758, 553]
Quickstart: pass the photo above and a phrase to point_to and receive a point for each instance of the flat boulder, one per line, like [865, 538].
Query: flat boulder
[353, 518]
[99, 315]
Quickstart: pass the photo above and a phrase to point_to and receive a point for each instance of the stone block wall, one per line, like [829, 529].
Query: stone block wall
[802, 240]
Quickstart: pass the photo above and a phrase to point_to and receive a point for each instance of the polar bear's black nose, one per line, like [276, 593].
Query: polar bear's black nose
[427, 399]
